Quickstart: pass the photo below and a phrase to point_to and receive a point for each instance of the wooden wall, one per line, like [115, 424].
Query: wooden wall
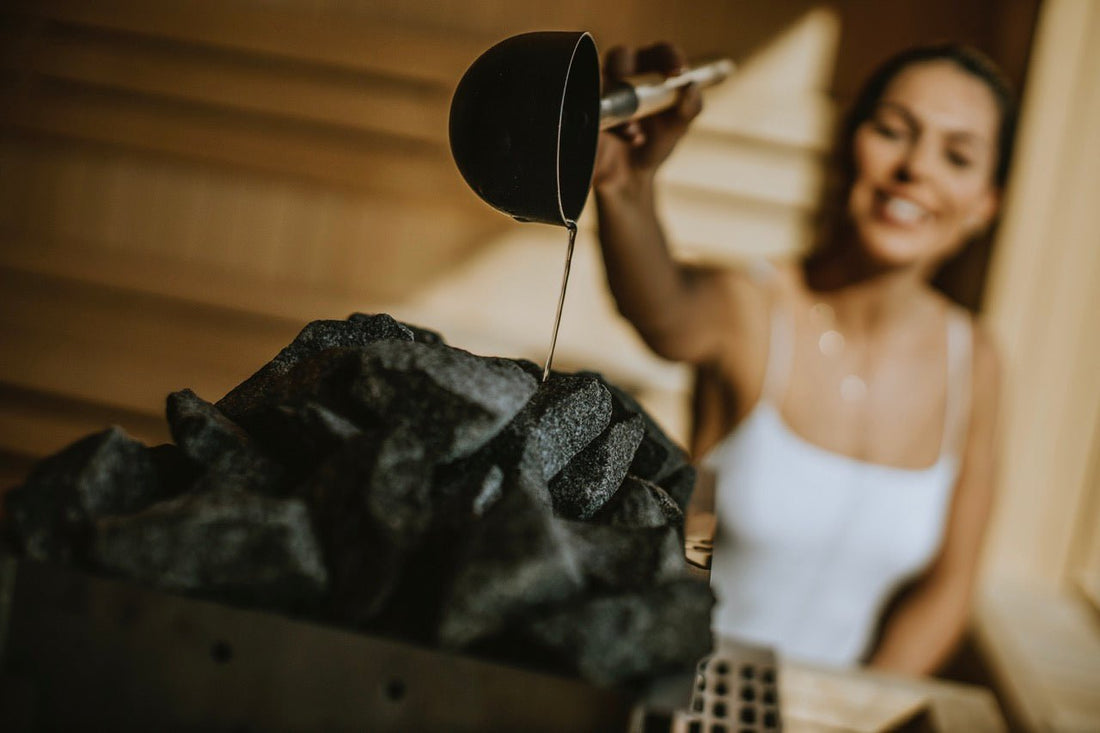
[184, 184]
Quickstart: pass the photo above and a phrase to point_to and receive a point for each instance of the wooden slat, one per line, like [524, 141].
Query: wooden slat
[346, 100]
[123, 350]
[716, 227]
[36, 425]
[199, 283]
[801, 119]
[353, 161]
[281, 31]
[70, 206]
[746, 169]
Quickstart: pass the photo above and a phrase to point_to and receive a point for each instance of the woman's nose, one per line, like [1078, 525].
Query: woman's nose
[917, 161]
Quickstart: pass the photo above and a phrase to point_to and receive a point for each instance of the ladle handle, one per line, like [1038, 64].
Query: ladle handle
[646, 94]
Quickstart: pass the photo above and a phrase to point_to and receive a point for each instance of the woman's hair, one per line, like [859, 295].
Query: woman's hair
[842, 166]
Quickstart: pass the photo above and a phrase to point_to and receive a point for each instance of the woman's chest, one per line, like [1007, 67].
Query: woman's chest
[778, 493]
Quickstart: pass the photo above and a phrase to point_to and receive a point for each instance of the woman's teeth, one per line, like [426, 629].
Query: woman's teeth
[904, 211]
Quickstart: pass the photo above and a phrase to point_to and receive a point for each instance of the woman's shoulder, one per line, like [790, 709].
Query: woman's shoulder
[985, 359]
[985, 352]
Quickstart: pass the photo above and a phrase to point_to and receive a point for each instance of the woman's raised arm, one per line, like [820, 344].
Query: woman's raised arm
[677, 311]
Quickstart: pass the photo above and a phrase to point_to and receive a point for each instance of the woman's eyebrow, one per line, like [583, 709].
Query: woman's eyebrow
[886, 105]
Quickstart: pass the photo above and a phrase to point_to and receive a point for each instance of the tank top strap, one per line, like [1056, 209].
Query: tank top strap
[960, 341]
[781, 335]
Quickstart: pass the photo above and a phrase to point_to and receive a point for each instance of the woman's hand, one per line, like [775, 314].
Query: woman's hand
[631, 153]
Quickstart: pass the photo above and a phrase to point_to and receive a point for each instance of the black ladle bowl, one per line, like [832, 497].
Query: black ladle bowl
[526, 117]
[524, 125]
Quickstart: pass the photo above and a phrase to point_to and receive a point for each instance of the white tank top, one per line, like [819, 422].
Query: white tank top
[812, 544]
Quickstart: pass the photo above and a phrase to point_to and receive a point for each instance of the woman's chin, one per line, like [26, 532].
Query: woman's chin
[897, 249]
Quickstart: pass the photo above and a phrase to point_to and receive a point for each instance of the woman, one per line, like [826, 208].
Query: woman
[845, 406]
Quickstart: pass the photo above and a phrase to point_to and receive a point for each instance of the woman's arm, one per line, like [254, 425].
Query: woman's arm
[923, 631]
[677, 311]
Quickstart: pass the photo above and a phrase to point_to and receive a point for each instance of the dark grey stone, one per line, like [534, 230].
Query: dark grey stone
[316, 337]
[239, 547]
[566, 414]
[658, 456]
[640, 503]
[457, 401]
[420, 335]
[175, 471]
[625, 558]
[374, 476]
[371, 503]
[50, 515]
[622, 638]
[515, 562]
[301, 435]
[465, 490]
[680, 484]
[535, 370]
[592, 477]
[215, 442]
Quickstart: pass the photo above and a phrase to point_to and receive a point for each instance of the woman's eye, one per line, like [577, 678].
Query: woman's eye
[888, 131]
[958, 159]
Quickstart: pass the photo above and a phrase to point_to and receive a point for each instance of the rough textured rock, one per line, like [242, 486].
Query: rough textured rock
[516, 562]
[457, 400]
[238, 547]
[316, 337]
[371, 504]
[372, 476]
[50, 516]
[565, 415]
[680, 484]
[420, 335]
[618, 638]
[658, 456]
[626, 558]
[640, 503]
[175, 471]
[213, 441]
[594, 474]
[302, 435]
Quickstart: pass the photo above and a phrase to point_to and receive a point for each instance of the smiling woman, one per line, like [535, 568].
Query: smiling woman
[925, 159]
[845, 407]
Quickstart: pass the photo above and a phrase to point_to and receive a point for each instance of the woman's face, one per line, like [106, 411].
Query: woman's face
[924, 163]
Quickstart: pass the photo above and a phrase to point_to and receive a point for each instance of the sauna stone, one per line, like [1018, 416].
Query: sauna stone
[592, 477]
[667, 625]
[640, 503]
[316, 337]
[50, 516]
[238, 547]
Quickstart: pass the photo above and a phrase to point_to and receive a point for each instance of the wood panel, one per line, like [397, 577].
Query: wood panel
[286, 30]
[354, 100]
[1043, 305]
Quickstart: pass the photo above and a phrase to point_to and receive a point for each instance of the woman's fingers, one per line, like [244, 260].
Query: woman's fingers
[691, 103]
[661, 57]
[618, 62]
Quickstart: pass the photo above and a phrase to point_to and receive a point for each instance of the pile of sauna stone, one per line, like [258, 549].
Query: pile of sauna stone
[374, 477]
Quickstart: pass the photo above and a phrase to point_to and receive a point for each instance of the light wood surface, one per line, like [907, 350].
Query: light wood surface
[819, 699]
